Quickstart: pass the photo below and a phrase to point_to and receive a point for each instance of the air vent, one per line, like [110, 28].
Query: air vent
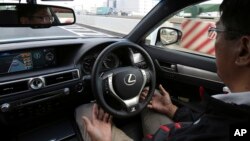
[13, 87]
[59, 78]
[36, 83]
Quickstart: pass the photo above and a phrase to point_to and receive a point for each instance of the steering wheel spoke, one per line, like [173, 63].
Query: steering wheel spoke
[148, 74]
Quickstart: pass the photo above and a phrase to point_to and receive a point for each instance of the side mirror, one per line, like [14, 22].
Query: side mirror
[167, 35]
[33, 15]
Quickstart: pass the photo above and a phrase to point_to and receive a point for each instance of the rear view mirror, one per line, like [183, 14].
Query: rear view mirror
[32, 15]
[167, 35]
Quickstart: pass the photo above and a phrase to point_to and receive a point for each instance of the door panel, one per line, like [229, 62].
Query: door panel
[185, 75]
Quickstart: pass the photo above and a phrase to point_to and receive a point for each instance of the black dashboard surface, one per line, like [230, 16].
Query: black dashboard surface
[25, 64]
[34, 90]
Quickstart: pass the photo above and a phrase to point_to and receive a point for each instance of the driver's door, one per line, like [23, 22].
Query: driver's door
[187, 68]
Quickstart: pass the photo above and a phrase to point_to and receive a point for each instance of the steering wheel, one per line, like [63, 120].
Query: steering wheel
[125, 84]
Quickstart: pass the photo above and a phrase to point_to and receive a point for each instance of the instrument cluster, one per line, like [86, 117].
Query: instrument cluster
[110, 62]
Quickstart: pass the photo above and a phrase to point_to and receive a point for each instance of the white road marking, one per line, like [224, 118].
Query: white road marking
[84, 32]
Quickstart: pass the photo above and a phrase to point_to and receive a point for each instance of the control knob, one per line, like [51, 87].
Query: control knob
[36, 83]
[5, 107]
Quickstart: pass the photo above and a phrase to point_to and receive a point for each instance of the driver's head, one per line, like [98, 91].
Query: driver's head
[35, 15]
[233, 44]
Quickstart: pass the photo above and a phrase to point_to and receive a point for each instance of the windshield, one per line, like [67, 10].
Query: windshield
[94, 18]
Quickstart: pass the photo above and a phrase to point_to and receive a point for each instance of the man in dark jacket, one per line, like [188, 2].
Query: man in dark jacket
[223, 112]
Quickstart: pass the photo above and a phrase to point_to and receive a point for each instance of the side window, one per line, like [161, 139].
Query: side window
[194, 23]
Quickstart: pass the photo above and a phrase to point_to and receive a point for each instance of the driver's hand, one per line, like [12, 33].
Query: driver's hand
[161, 102]
[99, 126]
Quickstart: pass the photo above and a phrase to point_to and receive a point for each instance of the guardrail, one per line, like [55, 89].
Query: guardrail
[114, 24]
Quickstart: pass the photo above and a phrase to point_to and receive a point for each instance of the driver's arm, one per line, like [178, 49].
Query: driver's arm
[162, 103]
[185, 114]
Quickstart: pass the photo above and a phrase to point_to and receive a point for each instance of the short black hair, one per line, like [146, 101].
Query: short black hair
[235, 16]
[28, 10]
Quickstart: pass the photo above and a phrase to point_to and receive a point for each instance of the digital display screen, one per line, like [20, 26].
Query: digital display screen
[27, 60]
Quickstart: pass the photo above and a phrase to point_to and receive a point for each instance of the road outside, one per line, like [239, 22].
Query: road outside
[21, 33]
[62, 31]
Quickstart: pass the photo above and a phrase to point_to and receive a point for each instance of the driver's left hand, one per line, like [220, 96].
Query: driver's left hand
[160, 102]
[99, 126]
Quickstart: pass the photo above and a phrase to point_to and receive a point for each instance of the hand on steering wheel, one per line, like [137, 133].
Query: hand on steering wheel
[161, 102]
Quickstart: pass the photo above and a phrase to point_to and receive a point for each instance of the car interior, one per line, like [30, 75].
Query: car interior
[43, 81]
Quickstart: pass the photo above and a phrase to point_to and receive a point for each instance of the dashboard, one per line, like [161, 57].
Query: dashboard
[35, 77]
[31, 73]
[39, 79]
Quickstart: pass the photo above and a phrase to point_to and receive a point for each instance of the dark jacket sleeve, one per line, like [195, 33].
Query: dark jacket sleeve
[184, 114]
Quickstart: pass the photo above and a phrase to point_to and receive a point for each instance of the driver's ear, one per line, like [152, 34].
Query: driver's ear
[243, 52]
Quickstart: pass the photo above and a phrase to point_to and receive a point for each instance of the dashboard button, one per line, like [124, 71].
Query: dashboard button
[36, 83]
[79, 87]
[5, 107]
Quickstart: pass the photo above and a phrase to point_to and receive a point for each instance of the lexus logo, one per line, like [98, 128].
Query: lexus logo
[130, 79]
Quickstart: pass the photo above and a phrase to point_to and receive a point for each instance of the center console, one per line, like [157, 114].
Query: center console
[62, 130]
[38, 82]
[33, 75]
[39, 90]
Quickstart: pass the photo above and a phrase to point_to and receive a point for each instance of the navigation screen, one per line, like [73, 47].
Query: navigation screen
[15, 62]
[23, 61]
